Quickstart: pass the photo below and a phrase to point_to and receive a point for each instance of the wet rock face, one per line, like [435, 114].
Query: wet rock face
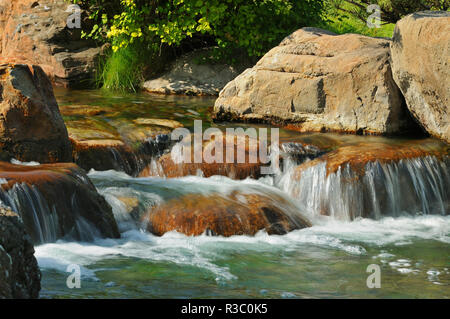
[236, 214]
[36, 32]
[420, 64]
[56, 201]
[318, 81]
[185, 165]
[191, 77]
[19, 272]
[31, 126]
[358, 155]
[105, 138]
[373, 180]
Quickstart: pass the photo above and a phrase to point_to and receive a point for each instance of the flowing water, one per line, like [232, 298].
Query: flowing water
[408, 235]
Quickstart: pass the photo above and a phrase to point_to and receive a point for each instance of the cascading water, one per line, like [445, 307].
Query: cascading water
[414, 186]
[326, 260]
[34, 210]
[50, 210]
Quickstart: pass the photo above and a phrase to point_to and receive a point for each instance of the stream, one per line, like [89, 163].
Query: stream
[409, 236]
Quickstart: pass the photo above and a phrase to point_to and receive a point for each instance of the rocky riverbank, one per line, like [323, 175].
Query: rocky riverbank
[314, 81]
[318, 81]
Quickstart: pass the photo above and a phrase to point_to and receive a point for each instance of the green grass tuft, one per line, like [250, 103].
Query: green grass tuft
[347, 24]
[123, 70]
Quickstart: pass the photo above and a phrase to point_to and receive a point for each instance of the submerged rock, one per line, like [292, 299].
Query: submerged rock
[420, 64]
[106, 138]
[191, 77]
[31, 126]
[374, 180]
[20, 277]
[37, 32]
[318, 81]
[56, 201]
[236, 214]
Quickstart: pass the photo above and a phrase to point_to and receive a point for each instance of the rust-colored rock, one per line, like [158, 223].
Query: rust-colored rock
[31, 126]
[251, 167]
[20, 277]
[421, 68]
[319, 81]
[358, 155]
[374, 180]
[236, 214]
[61, 197]
[37, 33]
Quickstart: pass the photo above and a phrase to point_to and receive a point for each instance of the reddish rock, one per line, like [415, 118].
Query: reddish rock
[104, 155]
[374, 180]
[31, 126]
[37, 33]
[166, 167]
[236, 214]
[57, 195]
[358, 155]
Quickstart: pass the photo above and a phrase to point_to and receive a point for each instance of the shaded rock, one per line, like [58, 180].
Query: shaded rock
[318, 81]
[36, 32]
[20, 277]
[236, 214]
[105, 155]
[31, 126]
[420, 64]
[56, 201]
[191, 77]
[299, 152]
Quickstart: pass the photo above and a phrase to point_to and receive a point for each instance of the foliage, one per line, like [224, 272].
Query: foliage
[342, 22]
[254, 25]
[121, 69]
[391, 10]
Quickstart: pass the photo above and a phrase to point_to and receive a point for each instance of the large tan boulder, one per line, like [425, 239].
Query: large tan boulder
[31, 126]
[319, 81]
[36, 32]
[20, 276]
[421, 68]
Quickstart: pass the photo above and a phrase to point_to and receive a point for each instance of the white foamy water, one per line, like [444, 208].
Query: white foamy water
[204, 252]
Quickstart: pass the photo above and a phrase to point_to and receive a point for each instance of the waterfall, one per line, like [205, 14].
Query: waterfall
[41, 219]
[417, 186]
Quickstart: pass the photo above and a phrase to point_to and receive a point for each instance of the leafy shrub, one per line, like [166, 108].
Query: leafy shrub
[254, 25]
[391, 10]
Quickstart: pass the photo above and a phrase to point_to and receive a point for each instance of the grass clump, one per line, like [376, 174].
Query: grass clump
[124, 69]
[341, 24]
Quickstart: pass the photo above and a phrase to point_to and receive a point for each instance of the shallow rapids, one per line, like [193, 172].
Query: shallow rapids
[327, 260]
